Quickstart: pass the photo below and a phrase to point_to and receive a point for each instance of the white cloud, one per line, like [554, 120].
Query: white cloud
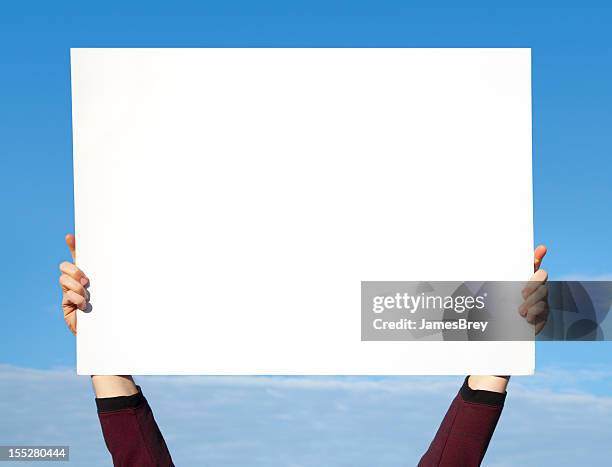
[559, 417]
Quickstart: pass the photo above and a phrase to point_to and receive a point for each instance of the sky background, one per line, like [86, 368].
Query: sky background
[561, 416]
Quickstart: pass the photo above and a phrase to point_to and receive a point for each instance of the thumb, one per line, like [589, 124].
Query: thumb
[71, 242]
[538, 256]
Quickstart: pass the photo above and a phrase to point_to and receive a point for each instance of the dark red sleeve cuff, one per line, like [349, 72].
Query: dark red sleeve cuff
[480, 396]
[112, 404]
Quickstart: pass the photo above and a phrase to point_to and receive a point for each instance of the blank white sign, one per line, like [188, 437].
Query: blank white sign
[229, 202]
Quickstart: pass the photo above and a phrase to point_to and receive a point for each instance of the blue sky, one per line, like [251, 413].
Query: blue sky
[572, 118]
[551, 419]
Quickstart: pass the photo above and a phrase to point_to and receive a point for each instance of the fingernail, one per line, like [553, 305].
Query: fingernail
[84, 281]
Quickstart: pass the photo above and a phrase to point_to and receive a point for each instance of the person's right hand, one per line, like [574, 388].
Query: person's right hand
[74, 283]
[535, 307]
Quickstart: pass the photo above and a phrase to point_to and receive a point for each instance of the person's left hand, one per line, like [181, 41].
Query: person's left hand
[535, 307]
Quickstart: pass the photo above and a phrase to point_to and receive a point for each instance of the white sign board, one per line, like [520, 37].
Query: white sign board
[229, 202]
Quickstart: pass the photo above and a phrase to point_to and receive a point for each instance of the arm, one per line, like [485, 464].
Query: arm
[129, 428]
[130, 431]
[466, 430]
[113, 386]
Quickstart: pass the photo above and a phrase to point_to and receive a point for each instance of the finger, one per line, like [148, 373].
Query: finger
[536, 311]
[71, 242]
[68, 283]
[537, 280]
[73, 298]
[538, 256]
[540, 295]
[73, 271]
[70, 315]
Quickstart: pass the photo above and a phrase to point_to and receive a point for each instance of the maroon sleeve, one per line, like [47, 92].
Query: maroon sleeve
[131, 433]
[467, 428]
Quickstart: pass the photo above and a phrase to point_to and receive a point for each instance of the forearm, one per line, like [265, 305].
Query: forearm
[129, 428]
[465, 432]
[113, 386]
[489, 383]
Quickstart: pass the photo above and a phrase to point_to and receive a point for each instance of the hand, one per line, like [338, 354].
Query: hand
[534, 310]
[535, 307]
[74, 284]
